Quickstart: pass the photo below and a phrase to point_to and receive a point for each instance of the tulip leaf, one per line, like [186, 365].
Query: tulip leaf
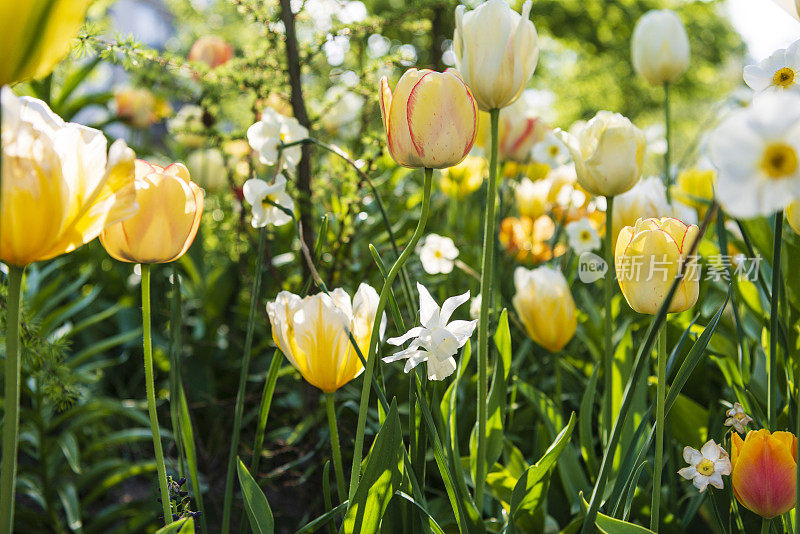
[609, 525]
[181, 526]
[502, 340]
[532, 486]
[255, 503]
[381, 477]
[585, 424]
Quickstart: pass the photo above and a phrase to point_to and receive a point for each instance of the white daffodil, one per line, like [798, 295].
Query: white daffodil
[438, 254]
[582, 236]
[270, 132]
[779, 72]
[757, 152]
[706, 466]
[737, 418]
[438, 339]
[263, 197]
[551, 151]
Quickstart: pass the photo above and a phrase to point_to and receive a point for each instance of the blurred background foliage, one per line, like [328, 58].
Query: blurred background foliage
[85, 455]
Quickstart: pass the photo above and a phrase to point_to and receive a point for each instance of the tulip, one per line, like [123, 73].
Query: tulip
[59, 189]
[140, 107]
[608, 153]
[520, 130]
[532, 198]
[430, 119]
[36, 34]
[695, 188]
[312, 333]
[648, 256]
[545, 306]
[463, 179]
[646, 199]
[207, 167]
[496, 51]
[527, 240]
[763, 475]
[211, 50]
[660, 47]
[793, 215]
[170, 206]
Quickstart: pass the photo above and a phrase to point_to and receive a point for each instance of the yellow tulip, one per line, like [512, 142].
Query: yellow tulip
[608, 153]
[311, 333]
[695, 187]
[36, 34]
[60, 188]
[532, 198]
[430, 119]
[545, 306]
[793, 215]
[464, 178]
[648, 256]
[763, 477]
[170, 207]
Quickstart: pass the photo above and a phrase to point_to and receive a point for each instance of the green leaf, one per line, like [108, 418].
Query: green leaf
[609, 525]
[532, 485]
[181, 526]
[502, 340]
[381, 477]
[255, 503]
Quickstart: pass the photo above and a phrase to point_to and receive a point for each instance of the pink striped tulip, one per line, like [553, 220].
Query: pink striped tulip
[430, 119]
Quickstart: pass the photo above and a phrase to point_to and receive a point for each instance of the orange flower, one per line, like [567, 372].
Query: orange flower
[528, 240]
[211, 50]
[764, 471]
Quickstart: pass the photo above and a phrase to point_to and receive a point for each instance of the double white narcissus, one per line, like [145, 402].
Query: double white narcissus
[660, 47]
[170, 207]
[59, 187]
[608, 153]
[545, 306]
[496, 51]
[430, 120]
[312, 333]
[648, 257]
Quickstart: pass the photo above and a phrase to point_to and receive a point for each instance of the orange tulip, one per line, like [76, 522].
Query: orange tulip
[763, 475]
[170, 206]
[430, 119]
[211, 50]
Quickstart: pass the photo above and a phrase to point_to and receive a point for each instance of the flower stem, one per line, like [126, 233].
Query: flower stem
[483, 323]
[765, 526]
[239, 408]
[667, 154]
[8, 473]
[608, 356]
[355, 472]
[150, 389]
[336, 450]
[772, 375]
[661, 391]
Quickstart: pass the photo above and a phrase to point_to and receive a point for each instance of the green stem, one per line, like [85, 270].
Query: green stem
[336, 450]
[355, 472]
[483, 322]
[239, 408]
[765, 526]
[608, 355]
[772, 376]
[559, 387]
[175, 324]
[667, 154]
[151, 394]
[8, 473]
[661, 391]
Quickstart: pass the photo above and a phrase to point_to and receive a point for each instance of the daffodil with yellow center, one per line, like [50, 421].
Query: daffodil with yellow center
[779, 160]
[777, 73]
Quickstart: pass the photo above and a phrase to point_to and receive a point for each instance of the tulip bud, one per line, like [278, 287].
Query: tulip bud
[35, 35]
[545, 306]
[311, 333]
[660, 47]
[763, 475]
[430, 119]
[211, 50]
[496, 51]
[170, 207]
[59, 188]
[648, 257]
[608, 153]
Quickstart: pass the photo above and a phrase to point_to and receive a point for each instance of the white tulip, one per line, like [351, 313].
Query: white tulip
[496, 51]
[438, 339]
[608, 153]
[660, 47]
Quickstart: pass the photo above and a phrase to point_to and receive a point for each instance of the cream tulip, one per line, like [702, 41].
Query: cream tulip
[608, 153]
[545, 306]
[59, 187]
[496, 51]
[170, 207]
[647, 258]
[660, 47]
[430, 120]
[312, 333]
